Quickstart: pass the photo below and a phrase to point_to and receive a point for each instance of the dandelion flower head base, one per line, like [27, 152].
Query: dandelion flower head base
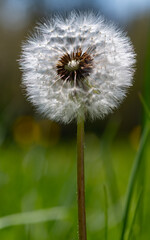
[78, 66]
[75, 66]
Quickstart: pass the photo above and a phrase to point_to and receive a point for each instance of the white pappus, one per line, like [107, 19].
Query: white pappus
[79, 66]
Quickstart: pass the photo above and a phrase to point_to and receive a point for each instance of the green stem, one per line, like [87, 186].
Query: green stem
[80, 180]
[106, 212]
[132, 180]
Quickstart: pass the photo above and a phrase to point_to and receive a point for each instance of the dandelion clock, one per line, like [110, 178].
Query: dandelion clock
[75, 68]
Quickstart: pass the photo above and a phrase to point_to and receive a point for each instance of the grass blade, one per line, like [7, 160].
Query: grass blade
[132, 180]
[56, 213]
[135, 213]
[105, 146]
[106, 212]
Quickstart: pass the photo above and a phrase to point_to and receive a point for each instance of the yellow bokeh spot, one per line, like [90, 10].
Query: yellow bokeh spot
[26, 130]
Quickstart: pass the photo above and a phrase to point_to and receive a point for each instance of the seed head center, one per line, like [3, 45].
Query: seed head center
[77, 65]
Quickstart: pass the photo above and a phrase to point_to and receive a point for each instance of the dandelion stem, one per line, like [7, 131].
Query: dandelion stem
[80, 180]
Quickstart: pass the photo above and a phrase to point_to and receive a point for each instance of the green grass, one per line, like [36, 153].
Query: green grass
[41, 178]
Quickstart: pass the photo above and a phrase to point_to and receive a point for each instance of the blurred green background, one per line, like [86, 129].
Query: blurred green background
[38, 157]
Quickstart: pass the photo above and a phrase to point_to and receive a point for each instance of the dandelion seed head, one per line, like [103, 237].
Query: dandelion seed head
[79, 66]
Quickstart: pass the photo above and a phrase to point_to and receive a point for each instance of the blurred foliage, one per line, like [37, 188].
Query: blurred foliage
[37, 177]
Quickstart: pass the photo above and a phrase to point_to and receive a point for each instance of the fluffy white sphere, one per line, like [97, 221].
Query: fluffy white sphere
[76, 67]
